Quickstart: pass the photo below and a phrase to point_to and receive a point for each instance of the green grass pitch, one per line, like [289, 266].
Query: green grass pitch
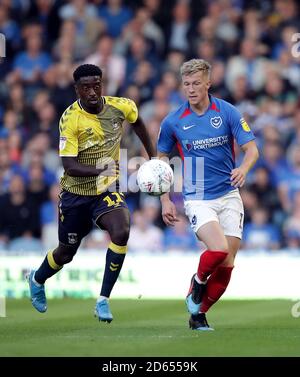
[149, 328]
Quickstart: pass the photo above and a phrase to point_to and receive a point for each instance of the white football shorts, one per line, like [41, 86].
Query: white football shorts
[228, 211]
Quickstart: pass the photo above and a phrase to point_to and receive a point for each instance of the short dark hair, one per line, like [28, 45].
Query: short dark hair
[85, 70]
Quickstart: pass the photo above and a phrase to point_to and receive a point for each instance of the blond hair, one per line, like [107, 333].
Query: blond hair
[195, 65]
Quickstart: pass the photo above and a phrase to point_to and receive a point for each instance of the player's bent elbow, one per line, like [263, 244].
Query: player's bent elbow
[73, 172]
[69, 171]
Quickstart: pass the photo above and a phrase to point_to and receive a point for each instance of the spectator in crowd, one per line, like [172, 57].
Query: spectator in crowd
[266, 193]
[31, 64]
[10, 120]
[159, 11]
[46, 13]
[97, 240]
[10, 29]
[144, 233]
[46, 123]
[144, 77]
[180, 237]
[174, 61]
[218, 88]
[292, 225]
[141, 24]
[14, 142]
[60, 83]
[19, 217]
[274, 160]
[282, 92]
[139, 51]
[160, 95]
[37, 189]
[260, 233]
[179, 30]
[16, 102]
[151, 210]
[206, 31]
[248, 64]
[290, 183]
[240, 91]
[294, 134]
[67, 48]
[7, 168]
[113, 65]
[116, 16]
[170, 80]
[38, 152]
[49, 213]
[87, 26]
[251, 202]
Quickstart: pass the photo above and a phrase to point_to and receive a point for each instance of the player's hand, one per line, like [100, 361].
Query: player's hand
[169, 212]
[238, 177]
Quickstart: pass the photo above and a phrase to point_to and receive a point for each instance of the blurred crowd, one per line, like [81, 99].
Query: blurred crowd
[140, 46]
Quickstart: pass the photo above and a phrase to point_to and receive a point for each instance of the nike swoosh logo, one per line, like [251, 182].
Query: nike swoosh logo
[187, 127]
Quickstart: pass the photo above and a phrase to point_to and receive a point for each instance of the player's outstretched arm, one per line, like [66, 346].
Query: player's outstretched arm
[142, 132]
[75, 169]
[238, 175]
[168, 210]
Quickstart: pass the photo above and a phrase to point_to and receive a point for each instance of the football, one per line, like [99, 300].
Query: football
[155, 177]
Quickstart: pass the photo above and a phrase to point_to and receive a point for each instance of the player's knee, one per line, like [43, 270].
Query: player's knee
[64, 254]
[221, 246]
[224, 248]
[120, 235]
[229, 261]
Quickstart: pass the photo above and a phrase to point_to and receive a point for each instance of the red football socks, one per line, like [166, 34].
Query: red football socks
[209, 261]
[215, 287]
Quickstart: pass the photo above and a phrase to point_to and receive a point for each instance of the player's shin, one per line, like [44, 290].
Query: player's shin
[209, 261]
[47, 269]
[216, 286]
[115, 256]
